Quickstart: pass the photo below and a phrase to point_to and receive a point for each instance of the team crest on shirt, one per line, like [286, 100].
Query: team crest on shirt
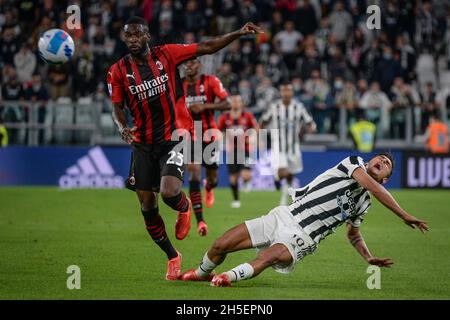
[202, 88]
[347, 204]
[159, 65]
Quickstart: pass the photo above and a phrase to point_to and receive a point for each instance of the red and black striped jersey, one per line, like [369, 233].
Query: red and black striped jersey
[244, 122]
[153, 92]
[205, 90]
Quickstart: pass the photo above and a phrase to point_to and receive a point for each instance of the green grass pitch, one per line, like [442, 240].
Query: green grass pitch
[44, 230]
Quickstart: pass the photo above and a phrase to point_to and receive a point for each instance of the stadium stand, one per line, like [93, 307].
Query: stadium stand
[326, 36]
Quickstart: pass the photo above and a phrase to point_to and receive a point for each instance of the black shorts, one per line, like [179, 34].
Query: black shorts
[208, 159]
[236, 167]
[151, 162]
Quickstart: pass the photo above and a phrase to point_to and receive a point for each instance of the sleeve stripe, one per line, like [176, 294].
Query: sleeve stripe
[354, 160]
[342, 168]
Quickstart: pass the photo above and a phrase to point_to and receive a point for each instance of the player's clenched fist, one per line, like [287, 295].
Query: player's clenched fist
[250, 28]
[127, 134]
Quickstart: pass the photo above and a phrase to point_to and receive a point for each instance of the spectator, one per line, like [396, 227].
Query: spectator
[265, 93]
[83, 77]
[319, 91]
[276, 69]
[376, 105]
[337, 65]
[248, 11]
[229, 78]
[428, 105]
[307, 64]
[407, 58]
[355, 52]
[287, 44]
[306, 18]
[436, 135]
[426, 31]
[246, 92]
[344, 97]
[13, 91]
[404, 100]
[227, 15]
[194, 20]
[25, 63]
[37, 93]
[387, 70]
[233, 56]
[322, 34]
[340, 22]
[390, 21]
[58, 76]
[370, 58]
[9, 46]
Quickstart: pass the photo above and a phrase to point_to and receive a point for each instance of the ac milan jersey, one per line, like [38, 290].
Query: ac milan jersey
[205, 90]
[153, 92]
[236, 139]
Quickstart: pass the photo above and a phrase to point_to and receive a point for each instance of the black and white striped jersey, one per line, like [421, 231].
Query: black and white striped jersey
[288, 122]
[330, 200]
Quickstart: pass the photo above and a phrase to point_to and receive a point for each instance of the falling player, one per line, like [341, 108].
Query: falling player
[201, 91]
[287, 116]
[146, 81]
[238, 144]
[287, 234]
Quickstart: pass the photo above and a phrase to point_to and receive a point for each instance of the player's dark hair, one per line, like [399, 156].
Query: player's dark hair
[390, 156]
[137, 20]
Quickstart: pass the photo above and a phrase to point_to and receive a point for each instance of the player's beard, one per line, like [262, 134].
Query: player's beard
[142, 51]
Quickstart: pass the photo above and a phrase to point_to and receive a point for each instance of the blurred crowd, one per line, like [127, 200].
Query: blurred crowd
[323, 46]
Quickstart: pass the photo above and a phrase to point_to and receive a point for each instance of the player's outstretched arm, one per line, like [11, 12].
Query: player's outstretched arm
[119, 118]
[387, 199]
[357, 241]
[213, 45]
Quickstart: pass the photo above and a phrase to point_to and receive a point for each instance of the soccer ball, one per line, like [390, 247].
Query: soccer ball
[56, 46]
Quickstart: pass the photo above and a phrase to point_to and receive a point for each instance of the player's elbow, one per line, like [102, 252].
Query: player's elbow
[205, 48]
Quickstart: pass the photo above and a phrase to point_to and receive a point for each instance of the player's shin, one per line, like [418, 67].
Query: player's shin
[206, 266]
[178, 202]
[157, 231]
[196, 198]
[241, 272]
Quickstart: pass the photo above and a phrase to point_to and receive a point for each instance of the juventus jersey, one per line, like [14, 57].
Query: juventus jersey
[288, 120]
[330, 200]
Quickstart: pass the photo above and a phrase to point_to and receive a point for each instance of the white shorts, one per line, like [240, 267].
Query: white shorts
[278, 226]
[292, 162]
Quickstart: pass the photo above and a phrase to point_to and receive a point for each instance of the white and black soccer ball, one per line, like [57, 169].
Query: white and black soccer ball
[56, 46]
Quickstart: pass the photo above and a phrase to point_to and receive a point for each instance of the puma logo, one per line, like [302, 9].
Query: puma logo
[181, 171]
[131, 76]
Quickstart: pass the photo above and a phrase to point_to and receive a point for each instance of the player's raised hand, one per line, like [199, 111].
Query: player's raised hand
[381, 262]
[413, 222]
[127, 134]
[250, 28]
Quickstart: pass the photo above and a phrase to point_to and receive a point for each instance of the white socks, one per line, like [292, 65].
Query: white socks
[241, 272]
[206, 266]
[285, 194]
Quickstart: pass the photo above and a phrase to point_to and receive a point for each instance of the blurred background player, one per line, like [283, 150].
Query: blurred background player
[146, 81]
[238, 145]
[287, 116]
[201, 92]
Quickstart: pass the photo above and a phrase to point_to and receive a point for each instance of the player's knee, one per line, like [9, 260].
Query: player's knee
[220, 246]
[269, 258]
[169, 192]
